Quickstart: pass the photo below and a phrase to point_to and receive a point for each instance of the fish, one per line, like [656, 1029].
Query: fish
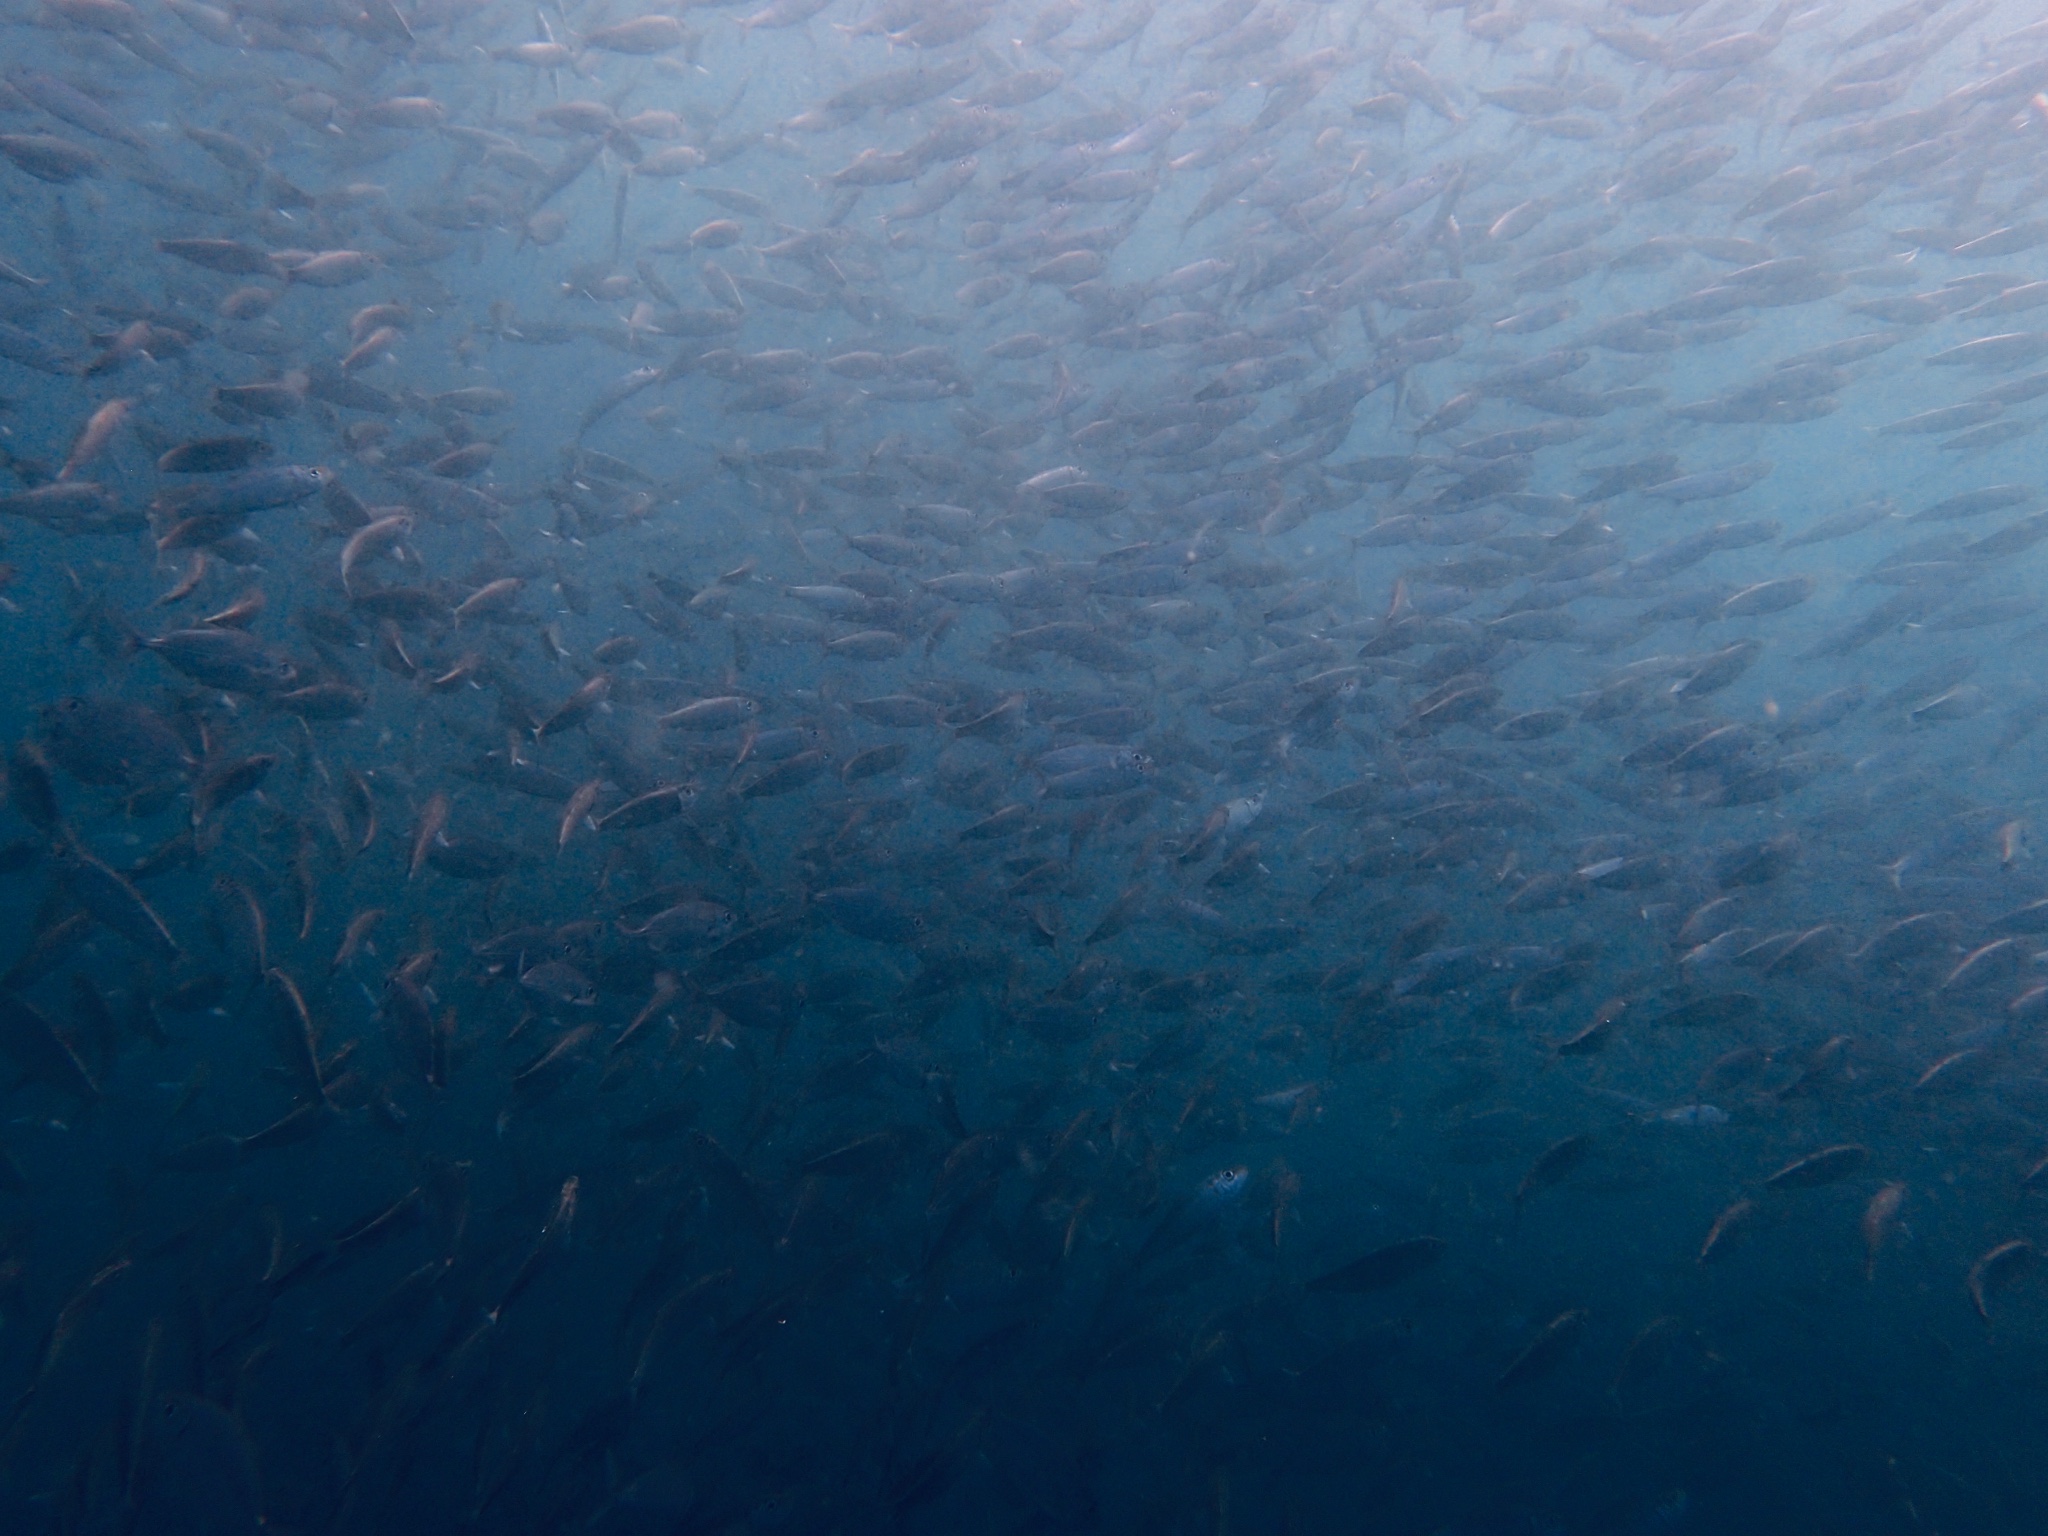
[576, 811]
[1826, 1166]
[433, 821]
[1879, 1219]
[1996, 1268]
[1553, 1165]
[1383, 1267]
[1732, 1219]
[1544, 1353]
[113, 900]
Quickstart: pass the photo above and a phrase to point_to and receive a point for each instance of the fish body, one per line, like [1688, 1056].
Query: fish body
[1383, 1267]
[228, 659]
[1818, 1168]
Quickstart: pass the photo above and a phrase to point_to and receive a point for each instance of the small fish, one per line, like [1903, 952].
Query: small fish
[1726, 1225]
[576, 812]
[1383, 1267]
[115, 902]
[1995, 1269]
[1880, 1217]
[94, 436]
[491, 598]
[1826, 1166]
[374, 538]
[355, 937]
[577, 708]
[559, 982]
[1552, 1166]
[1692, 1114]
[1546, 1352]
[432, 823]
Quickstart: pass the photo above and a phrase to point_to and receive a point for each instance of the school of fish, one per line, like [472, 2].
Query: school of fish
[1226, 766]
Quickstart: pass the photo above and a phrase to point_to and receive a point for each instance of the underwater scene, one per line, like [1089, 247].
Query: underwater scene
[1164, 767]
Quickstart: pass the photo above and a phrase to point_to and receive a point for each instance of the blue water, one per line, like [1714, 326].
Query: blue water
[1022, 768]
